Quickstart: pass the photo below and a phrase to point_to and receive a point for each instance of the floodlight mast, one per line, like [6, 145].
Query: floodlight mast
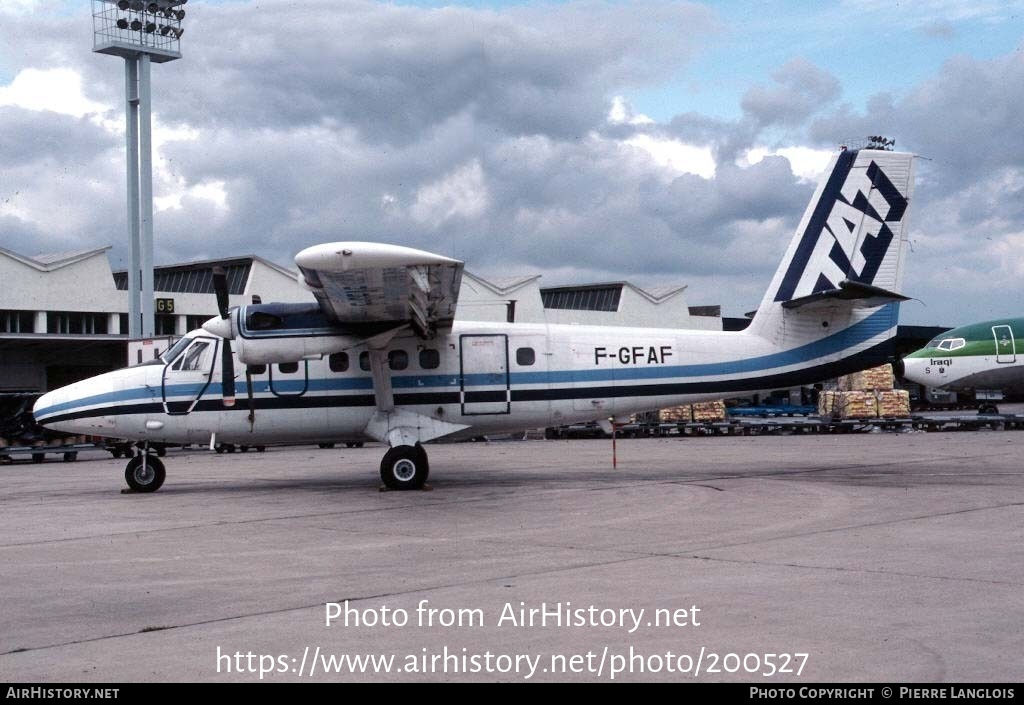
[142, 32]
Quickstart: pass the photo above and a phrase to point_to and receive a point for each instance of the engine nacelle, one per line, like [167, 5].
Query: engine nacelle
[266, 351]
[263, 334]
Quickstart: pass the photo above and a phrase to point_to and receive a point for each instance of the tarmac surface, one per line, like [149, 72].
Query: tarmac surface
[882, 557]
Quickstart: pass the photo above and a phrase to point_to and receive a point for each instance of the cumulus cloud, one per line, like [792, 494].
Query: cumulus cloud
[800, 90]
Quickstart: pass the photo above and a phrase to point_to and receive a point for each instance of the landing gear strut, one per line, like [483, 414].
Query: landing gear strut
[145, 473]
[405, 468]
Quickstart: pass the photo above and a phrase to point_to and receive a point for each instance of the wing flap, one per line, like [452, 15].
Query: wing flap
[369, 281]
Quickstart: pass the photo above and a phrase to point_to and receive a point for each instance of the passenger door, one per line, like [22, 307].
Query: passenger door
[1006, 346]
[484, 374]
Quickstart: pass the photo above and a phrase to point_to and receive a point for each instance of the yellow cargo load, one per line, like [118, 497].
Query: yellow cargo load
[676, 414]
[864, 405]
[709, 411]
[685, 413]
[895, 402]
[878, 379]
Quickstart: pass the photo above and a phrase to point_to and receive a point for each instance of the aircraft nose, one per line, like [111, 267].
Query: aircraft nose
[47, 405]
[913, 370]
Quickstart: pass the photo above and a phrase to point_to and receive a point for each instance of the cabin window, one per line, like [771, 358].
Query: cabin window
[525, 357]
[288, 368]
[364, 361]
[430, 359]
[338, 362]
[256, 369]
[398, 359]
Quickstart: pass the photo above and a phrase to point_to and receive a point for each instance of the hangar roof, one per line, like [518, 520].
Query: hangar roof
[197, 277]
[51, 261]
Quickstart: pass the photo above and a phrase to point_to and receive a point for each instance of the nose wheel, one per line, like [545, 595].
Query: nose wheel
[405, 468]
[145, 473]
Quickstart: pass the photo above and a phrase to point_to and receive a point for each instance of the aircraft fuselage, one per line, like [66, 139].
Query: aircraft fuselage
[489, 377]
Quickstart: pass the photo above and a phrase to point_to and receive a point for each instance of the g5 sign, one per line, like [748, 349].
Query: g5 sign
[165, 305]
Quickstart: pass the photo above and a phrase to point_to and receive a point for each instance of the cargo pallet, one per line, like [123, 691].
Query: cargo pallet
[68, 453]
[787, 425]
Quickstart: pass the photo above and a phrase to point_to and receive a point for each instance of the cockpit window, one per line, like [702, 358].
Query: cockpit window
[194, 358]
[175, 350]
[951, 344]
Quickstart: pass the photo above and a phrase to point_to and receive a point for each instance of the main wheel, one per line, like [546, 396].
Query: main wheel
[145, 473]
[404, 468]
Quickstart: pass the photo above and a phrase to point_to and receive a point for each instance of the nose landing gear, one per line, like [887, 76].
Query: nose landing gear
[145, 473]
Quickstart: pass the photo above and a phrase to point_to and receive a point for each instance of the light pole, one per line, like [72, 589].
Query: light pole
[142, 32]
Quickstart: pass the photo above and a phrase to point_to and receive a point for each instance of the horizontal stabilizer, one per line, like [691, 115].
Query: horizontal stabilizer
[864, 294]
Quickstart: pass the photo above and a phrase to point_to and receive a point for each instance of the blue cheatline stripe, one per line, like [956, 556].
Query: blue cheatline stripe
[875, 324]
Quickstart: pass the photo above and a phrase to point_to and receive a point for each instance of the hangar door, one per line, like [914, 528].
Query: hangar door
[484, 374]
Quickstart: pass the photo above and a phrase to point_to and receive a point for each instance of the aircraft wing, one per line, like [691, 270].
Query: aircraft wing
[361, 282]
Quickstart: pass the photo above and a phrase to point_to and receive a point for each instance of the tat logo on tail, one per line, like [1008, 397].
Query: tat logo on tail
[848, 233]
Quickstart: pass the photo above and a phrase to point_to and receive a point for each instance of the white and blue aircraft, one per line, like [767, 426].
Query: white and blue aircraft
[380, 355]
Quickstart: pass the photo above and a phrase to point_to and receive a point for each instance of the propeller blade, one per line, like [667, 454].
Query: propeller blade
[220, 288]
[227, 372]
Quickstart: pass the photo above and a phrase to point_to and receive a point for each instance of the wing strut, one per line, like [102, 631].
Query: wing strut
[393, 425]
[382, 391]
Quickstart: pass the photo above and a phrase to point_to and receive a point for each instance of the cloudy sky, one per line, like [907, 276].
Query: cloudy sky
[656, 141]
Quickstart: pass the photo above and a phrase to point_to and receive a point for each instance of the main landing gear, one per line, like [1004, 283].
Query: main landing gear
[405, 468]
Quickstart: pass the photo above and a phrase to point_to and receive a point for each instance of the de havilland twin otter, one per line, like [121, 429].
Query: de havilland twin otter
[379, 355]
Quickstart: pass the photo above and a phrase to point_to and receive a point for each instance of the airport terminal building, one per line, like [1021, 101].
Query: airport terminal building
[64, 316]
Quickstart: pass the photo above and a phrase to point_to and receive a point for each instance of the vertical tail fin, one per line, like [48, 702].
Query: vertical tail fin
[850, 243]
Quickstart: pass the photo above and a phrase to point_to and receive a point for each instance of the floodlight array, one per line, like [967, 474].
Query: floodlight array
[145, 23]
